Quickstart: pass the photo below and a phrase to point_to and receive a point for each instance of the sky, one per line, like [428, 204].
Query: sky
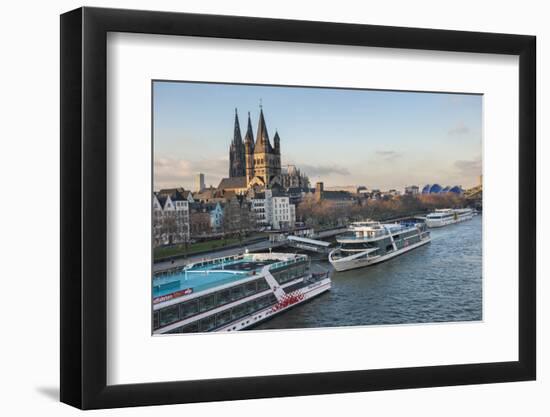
[379, 139]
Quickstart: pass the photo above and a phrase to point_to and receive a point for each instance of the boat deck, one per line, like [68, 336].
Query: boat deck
[203, 277]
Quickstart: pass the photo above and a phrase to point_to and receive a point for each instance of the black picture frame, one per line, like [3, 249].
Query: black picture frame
[84, 207]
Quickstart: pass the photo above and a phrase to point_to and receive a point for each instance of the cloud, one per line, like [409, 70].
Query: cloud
[323, 170]
[470, 167]
[388, 155]
[171, 172]
[459, 129]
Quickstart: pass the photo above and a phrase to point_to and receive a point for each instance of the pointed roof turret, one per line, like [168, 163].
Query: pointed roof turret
[237, 138]
[262, 138]
[277, 142]
[249, 136]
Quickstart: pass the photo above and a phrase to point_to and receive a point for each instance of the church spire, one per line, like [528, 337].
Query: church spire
[236, 152]
[249, 136]
[262, 138]
[237, 138]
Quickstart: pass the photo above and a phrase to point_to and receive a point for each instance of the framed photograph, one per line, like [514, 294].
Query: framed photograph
[257, 208]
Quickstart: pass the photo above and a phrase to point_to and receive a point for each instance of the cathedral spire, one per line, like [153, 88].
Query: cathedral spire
[236, 152]
[249, 136]
[237, 138]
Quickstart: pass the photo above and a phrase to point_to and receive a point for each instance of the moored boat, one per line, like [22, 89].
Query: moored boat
[232, 293]
[370, 242]
[445, 217]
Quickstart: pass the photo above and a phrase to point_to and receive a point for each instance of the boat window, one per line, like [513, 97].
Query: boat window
[208, 323]
[223, 317]
[174, 331]
[156, 320]
[389, 248]
[189, 308]
[169, 315]
[262, 285]
[287, 275]
[360, 245]
[250, 307]
[238, 311]
[250, 288]
[223, 297]
[261, 302]
[190, 328]
[237, 292]
[207, 302]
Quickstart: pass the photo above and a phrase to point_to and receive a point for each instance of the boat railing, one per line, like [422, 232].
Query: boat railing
[408, 224]
[362, 235]
[215, 261]
[281, 264]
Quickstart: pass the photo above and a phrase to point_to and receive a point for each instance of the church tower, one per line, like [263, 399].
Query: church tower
[267, 160]
[237, 167]
[277, 155]
[249, 151]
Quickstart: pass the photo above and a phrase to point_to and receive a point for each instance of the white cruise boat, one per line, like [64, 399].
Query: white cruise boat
[444, 217]
[232, 293]
[369, 242]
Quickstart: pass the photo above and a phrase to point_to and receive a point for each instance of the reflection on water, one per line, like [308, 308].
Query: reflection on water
[438, 282]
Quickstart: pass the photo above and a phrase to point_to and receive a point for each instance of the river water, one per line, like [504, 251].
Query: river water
[438, 282]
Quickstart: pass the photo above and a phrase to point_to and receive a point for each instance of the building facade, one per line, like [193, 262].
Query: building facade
[238, 216]
[258, 201]
[216, 216]
[338, 199]
[282, 216]
[171, 223]
[273, 210]
[199, 221]
[292, 177]
[412, 190]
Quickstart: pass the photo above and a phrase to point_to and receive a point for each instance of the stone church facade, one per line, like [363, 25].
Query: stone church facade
[258, 161]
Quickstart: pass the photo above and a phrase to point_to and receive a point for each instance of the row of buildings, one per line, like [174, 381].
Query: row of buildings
[259, 193]
[179, 217]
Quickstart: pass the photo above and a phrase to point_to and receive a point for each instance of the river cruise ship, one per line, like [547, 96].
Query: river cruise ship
[232, 293]
[444, 217]
[370, 242]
